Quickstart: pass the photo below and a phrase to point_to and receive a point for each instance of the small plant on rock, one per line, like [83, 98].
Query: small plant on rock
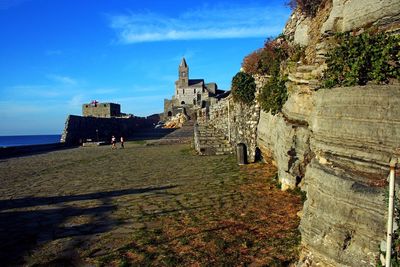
[307, 7]
[273, 95]
[360, 59]
[251, 63]
[267, 60]
[243, 87]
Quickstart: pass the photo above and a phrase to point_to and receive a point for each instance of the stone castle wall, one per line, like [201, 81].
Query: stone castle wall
[103, 110]
[236, 121]
[78, 128]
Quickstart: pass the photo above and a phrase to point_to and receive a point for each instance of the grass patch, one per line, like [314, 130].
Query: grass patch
[173, 208]
[138, 142]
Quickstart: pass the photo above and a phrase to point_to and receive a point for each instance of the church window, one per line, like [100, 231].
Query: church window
[183, 103]
[204, 90]
[194, 101]
[183, 91]
[194, 91]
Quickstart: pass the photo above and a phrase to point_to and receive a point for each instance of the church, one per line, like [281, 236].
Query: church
[190, 94]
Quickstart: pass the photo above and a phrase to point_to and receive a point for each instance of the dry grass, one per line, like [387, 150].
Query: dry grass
[260, 228]
[143, 205]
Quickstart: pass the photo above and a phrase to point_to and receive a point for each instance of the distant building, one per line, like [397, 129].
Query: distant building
[101, 110]
[190, 94]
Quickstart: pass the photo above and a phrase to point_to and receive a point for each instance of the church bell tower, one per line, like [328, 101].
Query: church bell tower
[183, 73]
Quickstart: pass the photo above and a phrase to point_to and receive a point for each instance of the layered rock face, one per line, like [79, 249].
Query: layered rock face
[340, 156]
[357, 129]
[349, 15]
[336, 143]
[355, 132]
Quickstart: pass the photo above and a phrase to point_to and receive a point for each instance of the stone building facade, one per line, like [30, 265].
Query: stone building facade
[101, 110]
[190, 94]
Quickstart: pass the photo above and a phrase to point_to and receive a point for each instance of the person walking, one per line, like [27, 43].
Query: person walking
[122, 142]
[113, 142]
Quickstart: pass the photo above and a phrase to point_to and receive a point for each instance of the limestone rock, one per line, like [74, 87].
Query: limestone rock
[299, 107]
[287, 144]
[355, 133]
[343, 220]
[348, 15]
[176, 121]
[357, 129]
[348, 135]
[301, 36]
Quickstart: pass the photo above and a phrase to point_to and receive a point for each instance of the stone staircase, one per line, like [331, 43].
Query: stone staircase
[183, 135]
[208, 141]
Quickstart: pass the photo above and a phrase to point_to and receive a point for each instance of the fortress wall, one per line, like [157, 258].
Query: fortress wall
[236, 121]
[78, 128]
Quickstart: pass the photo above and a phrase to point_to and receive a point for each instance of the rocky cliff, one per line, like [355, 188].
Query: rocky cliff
[336, 143]
[340, 157]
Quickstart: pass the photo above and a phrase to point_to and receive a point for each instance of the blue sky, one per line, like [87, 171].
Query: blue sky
[58, 54]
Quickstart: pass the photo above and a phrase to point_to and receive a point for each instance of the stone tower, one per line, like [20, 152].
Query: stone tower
[183, 74]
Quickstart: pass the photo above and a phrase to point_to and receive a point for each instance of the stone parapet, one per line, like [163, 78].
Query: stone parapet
[77, 128]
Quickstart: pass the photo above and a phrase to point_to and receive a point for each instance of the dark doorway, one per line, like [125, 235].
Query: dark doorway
[258, 156]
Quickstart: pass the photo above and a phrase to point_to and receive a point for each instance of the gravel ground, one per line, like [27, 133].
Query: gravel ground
[142, 205]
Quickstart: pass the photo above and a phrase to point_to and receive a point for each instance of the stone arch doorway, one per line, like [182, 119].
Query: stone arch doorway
[169, 114]
[183, 103]
[241, 153]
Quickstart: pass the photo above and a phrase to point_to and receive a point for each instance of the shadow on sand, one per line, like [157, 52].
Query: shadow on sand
[29, 222]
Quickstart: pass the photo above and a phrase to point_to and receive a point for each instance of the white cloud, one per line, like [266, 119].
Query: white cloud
[76, 101]
[202, 23]
[63, 79]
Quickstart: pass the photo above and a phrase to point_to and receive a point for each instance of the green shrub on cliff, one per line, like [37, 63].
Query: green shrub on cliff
[307, 7]
[273, 95]
[267, 60]
[363, 58]
[243, 87]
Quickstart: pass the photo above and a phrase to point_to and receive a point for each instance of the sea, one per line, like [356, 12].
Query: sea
[22, 140]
